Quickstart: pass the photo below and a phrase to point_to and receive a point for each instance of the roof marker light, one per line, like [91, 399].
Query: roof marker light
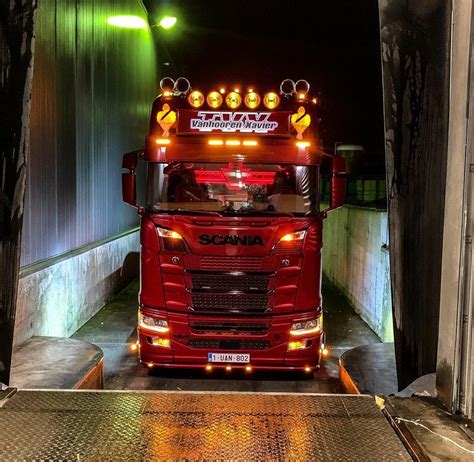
[232, 143]
[303, 144]
[252, 100]
[196, 99]
[250, 143]
[271, 100]
[233, 100]
[215, 142]
[214, 99]
[162, 141]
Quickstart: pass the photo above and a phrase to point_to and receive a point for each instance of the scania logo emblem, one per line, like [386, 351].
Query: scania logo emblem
[231, 239]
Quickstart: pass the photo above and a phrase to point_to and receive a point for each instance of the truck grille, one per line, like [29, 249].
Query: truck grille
[211, 344]
[231, 263]
[224, 282]
[229, 328]
[232, 303]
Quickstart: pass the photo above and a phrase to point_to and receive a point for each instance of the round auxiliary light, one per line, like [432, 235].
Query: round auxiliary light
[196, 99]
[233, 100]
[252, 100]
[167, 84]
[214, 99]
[302, 87]
[271, 100]
[182, 85]
[287, 87]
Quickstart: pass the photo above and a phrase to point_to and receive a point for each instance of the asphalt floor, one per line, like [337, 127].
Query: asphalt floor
[113, 330]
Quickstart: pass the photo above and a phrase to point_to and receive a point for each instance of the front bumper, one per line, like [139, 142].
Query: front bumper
[274, 356]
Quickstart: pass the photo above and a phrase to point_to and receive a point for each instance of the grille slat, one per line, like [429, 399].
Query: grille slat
[211, 344]
[231, 263]
[229, 328]
[230, 283]
[230, 302]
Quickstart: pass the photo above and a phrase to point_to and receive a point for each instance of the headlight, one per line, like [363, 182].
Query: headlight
[152, 323]
[306, 327]
[298, 236]
[162, 232]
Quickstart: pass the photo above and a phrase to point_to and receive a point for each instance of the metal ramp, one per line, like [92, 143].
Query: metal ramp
[104, 425]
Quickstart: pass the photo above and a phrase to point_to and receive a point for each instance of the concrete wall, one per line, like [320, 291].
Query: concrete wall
[357, 264]
[57, 297]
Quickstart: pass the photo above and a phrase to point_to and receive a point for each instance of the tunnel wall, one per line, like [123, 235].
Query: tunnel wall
[93, 86]
[356, 261]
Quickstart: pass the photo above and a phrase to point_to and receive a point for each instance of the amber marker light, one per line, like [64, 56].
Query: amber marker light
[237, 90]
[252, 100]
[134, 347]
[303, 144]
[232, 143]
[228, 368]
[233, 100]
[271, 100]
[248, 368]
[222, 90]
[214, 99]
[163, 141]
[208, 368]
[150, 365]
[215, 142]
[307, 369]
[168, 233]
[301, 96]
[162, 342]
[250, 143]
[196, 99]
[296, 345]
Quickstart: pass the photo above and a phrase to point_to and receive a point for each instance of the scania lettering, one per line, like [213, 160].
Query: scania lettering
[231, 229]
[218, 239]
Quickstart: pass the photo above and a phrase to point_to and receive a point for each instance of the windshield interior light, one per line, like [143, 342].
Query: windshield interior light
[168, 233]
[293, 236]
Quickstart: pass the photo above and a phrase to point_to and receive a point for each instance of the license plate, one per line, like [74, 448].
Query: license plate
[228, 357]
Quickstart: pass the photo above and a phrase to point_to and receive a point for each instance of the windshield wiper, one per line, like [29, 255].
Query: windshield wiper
[187, 212]
[257, 213]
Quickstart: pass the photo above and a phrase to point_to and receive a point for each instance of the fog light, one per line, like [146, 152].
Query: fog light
[162, 342]
[297, 345]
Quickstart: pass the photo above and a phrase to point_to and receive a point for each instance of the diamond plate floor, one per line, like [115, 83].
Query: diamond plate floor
[190, 426]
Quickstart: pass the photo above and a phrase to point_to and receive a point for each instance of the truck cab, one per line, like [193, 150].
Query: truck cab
[231, 230]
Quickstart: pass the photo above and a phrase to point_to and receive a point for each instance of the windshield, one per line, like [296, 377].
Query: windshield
[232, 188]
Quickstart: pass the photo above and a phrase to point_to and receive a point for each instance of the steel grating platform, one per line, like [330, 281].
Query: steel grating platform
[80, 425]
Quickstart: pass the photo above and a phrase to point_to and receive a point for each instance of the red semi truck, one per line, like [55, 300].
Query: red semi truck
[231, 229]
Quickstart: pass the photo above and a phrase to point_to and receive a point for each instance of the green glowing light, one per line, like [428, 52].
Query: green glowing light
[167, 22]
[127, 22]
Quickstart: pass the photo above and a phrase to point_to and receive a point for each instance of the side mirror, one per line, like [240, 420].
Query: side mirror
[129, 188]
[338, 183]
